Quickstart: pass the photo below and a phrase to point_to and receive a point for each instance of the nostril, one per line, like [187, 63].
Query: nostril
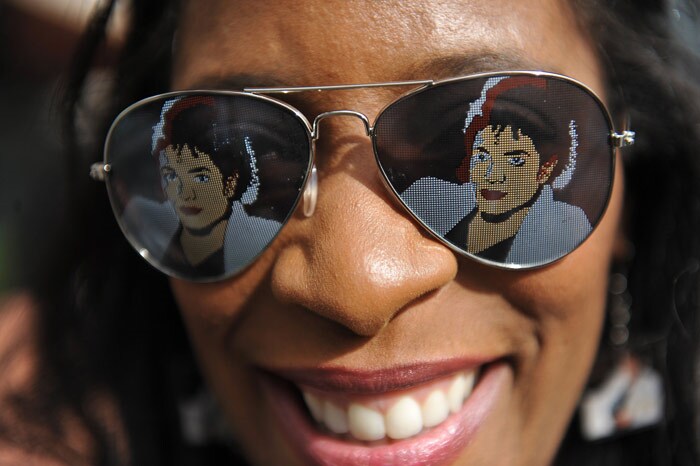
[375, 285]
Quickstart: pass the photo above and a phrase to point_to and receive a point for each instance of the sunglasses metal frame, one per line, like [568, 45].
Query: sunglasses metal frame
[100, 171]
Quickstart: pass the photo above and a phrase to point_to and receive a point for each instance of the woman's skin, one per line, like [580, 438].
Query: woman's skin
[359, 289]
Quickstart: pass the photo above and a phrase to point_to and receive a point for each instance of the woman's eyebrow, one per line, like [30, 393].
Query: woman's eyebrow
[237, 82]
[452, 66]
[440, 67]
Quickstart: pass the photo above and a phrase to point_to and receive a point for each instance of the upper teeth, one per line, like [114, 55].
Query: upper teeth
[396, 416]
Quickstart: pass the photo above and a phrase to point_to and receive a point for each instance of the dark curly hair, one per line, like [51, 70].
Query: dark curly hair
[115, 328]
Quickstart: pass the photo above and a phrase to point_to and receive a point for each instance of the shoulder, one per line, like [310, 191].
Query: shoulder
[26, 436]
[429, 199]
[240, 220]
[551, 212]
[550, 226]
[257, 231]
[431, 186]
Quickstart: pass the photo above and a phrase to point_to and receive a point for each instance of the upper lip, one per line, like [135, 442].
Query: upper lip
[367, 382]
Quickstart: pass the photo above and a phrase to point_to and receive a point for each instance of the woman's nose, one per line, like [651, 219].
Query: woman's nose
[359, 259]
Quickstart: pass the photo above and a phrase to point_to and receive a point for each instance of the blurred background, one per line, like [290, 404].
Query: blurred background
[37, 39]
[36, 42]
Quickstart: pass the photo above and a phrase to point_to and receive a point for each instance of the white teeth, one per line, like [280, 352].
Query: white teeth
[405, 417]
[456, 392]
[435, 409]
[365, 423]
[471, 380]
[335, 418]
[315, 406]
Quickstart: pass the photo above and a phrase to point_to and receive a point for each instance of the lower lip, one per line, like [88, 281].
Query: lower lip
[490, 195]
[437, 447]
[190, 210]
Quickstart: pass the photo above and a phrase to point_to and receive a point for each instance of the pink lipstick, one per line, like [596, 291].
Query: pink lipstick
[421, 415]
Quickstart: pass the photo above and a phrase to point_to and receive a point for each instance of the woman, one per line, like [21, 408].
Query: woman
[355, 307]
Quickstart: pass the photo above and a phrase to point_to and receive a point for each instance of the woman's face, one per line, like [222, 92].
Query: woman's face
[379, 324]
[505, 169]
[195, 187]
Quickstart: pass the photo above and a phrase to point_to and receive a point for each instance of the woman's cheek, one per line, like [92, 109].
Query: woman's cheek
[214, 308]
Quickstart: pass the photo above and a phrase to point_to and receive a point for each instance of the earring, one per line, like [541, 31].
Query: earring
[631, 396]
[546, 169]
[230, 185]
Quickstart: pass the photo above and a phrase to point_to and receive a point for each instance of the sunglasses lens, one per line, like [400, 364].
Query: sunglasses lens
[202, 183]
[513, 170]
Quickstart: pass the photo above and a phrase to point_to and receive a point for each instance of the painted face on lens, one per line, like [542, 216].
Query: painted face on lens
[505, 168]
[194, 185]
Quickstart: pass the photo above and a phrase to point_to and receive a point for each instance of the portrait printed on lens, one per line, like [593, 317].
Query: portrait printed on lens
[510, 203]
[207, 171]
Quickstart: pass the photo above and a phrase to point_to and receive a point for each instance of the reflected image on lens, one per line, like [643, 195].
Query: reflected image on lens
[197, 225]
[510, 200]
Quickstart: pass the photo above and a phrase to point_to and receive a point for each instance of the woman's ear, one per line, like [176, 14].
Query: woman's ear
[623, 247]
[230, 185]
[547, 169]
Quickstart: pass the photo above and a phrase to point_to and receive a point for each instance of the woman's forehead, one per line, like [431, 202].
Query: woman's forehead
[316, 42]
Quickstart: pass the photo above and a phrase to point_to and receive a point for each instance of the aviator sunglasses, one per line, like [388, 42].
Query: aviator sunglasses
[511, 169]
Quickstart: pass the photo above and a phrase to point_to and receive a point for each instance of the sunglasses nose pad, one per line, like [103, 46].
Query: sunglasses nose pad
[311, 193]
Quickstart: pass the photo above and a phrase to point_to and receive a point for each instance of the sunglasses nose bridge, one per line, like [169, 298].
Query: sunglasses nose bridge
[315, 130]
[311, 189]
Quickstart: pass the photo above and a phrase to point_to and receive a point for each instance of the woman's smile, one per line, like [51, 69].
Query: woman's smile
[383, 404]
[426, 424]
[356, 338]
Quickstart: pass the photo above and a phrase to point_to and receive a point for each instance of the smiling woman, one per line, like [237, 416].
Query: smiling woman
[442, 295]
